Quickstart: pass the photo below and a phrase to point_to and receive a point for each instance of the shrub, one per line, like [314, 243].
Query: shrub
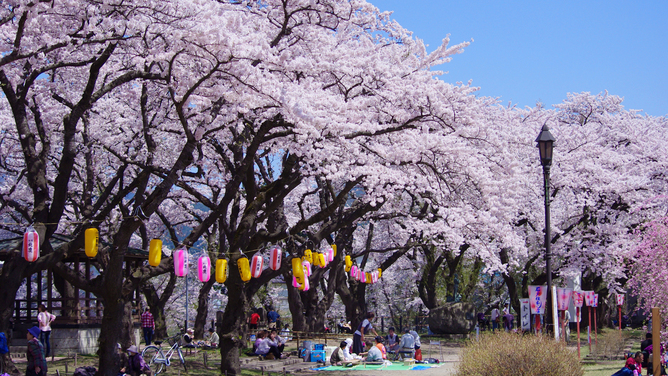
[610, 344]
[511, 354]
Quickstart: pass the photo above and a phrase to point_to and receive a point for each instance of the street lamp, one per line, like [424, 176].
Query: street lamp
[545, 142]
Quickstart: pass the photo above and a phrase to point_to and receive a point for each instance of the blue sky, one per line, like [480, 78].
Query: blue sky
[528, 51]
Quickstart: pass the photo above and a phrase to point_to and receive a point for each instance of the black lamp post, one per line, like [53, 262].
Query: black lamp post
[545, 142]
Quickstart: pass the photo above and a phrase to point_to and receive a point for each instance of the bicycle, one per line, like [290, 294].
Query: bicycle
[157, 360]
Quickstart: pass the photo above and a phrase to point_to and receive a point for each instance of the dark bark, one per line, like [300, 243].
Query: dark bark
[203, 308]
[157, 304]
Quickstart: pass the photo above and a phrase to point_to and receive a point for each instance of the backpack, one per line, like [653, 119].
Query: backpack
[4, 349]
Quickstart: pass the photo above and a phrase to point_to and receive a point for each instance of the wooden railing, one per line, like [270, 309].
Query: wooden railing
[67, 311]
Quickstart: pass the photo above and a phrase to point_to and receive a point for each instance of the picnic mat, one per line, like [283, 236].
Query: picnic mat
[379, 367]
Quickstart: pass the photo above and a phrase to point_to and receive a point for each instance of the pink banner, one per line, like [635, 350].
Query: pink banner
[537, 299]
[563, 298]
[578, 298]
[620, 299]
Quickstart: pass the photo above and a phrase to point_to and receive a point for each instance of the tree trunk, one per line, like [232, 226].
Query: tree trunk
[203, 308]
[11, 277]
[157, 304]
[295, 305]
[233, 329]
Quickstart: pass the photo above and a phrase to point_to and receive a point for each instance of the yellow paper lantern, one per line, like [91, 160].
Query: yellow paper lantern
[334, 248]
[309, 256]
[244, 268]
[91, 238]
[349, 263]
[321, 260]
[221, 270]
[368, 277]
[154, 252]
[380, 272]
[298, 270]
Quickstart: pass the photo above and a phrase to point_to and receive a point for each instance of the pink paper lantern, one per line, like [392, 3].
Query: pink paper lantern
[620, 299]
[294, 282]
[307, 285]
[330, 255]
[275, 258]
[204, 268]
[563, 298]
[353, 271]
[181, 262]
[256, 266]
[307, 268]
[30, 244]
[578, 298]
[374, 277]
[363, 277]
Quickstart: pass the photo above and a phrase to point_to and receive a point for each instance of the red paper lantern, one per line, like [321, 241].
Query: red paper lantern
[30, 244]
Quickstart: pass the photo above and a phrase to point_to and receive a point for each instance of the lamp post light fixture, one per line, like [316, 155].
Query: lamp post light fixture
[545, 142]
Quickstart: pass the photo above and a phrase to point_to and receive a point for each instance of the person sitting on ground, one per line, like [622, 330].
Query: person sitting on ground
[373, 354]
[643, 348]
[123, 357]
[392, 340]
[260, 338]
[635, 363]
[276, 345]
[381, 347]
[136, 364]
[407, 344]
[337, 355]
[347, 355]
[211, 340]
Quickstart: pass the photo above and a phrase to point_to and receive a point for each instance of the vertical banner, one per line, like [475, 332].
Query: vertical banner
[563, 298]
[525, 314]
[537, 299]
[589, 298]
[620, 299]
[595, 304]
[578, 299]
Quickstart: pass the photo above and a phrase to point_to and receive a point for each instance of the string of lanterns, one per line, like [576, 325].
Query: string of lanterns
[301, 267]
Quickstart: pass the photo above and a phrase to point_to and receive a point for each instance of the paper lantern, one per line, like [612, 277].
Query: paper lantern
[30, 244]
[306, 266]
[204, 268]
[380, 272]
[595, 301]
[244, 268]
[322, 261]
[256, 266]
[305, 286]
[578, 298]
[563, 298]
[298, 270]
[620, 299]
[221, 270]
[374, 277]
[330, 255]
[275, 258]
[309, 256]
[91, 238]
[349, 263]
[353, 271]
[294, 282]
[154, 252]
[181, 262]
[334, 249]
[362, 276]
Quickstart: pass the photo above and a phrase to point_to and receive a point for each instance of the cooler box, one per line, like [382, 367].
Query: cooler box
[318, 355]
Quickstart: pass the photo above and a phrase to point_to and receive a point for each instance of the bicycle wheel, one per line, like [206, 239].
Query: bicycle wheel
[154, 357]
[182, 359]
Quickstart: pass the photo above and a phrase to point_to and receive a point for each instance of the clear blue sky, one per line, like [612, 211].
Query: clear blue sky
[526, 51]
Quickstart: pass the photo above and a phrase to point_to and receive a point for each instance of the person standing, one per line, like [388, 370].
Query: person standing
[254, 319]
[363, 328]
[272, 318]
[35, 357]
[45, 319]
[496, 317]
[148, 326]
